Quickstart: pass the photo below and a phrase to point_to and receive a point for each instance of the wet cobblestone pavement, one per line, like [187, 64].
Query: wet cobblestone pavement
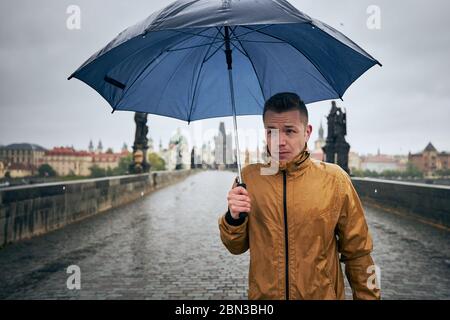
[167, 246]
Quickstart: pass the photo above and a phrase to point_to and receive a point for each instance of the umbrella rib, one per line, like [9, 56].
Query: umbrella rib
[194, 34]
[335, 39]
[222, 45]
[198, 76]
[148, 65]
[219, 29]
[223, 34]
[254, 69]
[253, 30]
[218, 48]
[235, 46]
[258, 41]
[215, 37]
[191, 47]
[314, 64]
[212, 54]
[170, 78]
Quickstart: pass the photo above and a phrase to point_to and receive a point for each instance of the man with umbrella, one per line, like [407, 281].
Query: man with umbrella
[299, 219]
[203, 59]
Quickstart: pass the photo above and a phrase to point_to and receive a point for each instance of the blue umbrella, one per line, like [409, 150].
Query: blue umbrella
[198, 59]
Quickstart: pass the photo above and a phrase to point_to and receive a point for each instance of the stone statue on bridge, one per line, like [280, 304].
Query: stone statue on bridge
[140, 145]
[336, 149]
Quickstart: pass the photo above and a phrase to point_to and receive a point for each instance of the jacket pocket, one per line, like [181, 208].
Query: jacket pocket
[328, 283]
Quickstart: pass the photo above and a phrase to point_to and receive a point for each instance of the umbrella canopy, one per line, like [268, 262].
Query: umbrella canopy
[173, 63]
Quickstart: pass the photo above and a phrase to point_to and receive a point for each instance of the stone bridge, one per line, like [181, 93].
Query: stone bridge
[166, 245]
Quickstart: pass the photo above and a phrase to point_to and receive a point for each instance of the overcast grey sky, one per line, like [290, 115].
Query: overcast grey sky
[397, 108]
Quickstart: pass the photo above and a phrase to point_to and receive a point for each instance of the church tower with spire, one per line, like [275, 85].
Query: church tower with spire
[91, 147]
[100, 146]
[317, 153]
[320, 142]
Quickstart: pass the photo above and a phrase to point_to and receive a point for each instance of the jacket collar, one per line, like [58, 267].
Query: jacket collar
[297, 164]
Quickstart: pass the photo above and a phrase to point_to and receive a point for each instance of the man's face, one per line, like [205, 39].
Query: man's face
[293, 133]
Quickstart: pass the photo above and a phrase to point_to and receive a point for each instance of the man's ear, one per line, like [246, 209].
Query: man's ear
[308, 131]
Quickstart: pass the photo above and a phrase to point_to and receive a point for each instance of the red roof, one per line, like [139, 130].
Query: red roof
[96, 157]
[67, 151]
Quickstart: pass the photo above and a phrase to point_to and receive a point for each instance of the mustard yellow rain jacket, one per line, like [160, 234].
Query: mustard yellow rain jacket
[301, 219]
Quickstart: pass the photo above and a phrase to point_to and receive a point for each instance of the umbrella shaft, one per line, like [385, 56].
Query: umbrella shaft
[238, 153]
[230, 77]
[228, 48]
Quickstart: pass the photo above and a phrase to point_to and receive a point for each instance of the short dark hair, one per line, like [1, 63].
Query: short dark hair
[286, 101]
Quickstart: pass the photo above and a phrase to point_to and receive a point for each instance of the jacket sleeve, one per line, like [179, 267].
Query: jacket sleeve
[355, 244]
[234, 237]
[234, 232]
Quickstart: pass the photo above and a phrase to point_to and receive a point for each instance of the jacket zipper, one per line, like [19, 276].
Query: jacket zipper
[286, 238]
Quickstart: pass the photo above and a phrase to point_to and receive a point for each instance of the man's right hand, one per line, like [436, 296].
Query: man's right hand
[238, 201]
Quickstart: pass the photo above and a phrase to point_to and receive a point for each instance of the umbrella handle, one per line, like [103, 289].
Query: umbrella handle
[242, 215]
